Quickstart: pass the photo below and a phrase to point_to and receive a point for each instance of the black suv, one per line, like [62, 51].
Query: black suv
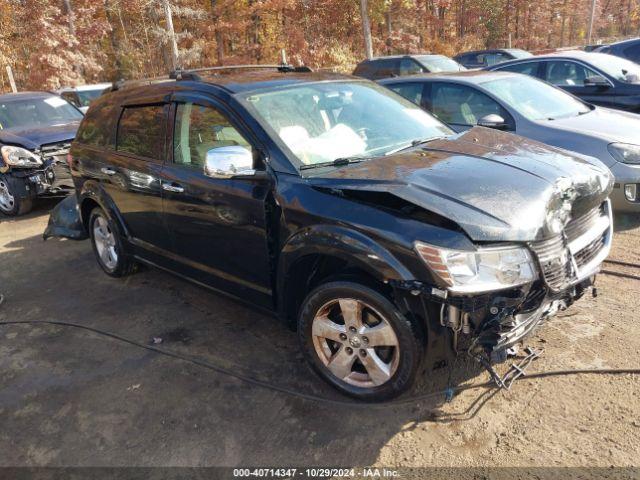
[360, 219]
[36, 129]
[400, 65]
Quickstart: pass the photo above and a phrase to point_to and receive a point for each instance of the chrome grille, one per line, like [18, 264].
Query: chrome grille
[567, 258]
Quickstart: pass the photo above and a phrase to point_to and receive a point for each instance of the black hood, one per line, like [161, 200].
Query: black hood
[496, 186]
[34, 136]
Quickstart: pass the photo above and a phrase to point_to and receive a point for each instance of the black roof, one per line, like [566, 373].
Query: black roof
[245, 81]
[239, 80]
[621, 43]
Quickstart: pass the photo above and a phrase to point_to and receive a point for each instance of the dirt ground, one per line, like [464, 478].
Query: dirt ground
[69, 397]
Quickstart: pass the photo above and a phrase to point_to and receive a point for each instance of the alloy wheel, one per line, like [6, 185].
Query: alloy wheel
[105, 241]
[355, 342]
[7, 202]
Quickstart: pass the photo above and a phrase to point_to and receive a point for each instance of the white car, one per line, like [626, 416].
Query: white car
[83, 95]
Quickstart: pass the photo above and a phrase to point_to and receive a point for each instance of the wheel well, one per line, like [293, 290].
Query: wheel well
[311, 270]
[85, 211]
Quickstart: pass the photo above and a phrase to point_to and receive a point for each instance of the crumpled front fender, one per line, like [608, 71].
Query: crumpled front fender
[65, 221]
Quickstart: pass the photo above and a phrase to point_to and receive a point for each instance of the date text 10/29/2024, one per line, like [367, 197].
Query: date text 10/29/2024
[319, 472]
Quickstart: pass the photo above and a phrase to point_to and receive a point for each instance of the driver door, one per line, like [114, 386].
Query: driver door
[217, 224]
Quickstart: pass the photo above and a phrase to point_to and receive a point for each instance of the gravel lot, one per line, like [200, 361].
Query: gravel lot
[70, 397]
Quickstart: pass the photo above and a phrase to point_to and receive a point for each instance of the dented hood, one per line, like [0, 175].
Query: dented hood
[496, 186]
[33, 137]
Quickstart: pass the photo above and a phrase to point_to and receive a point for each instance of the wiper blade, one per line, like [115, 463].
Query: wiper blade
[414, 143]
[338, 162]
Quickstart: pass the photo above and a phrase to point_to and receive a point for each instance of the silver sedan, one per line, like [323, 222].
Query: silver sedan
[537, 110]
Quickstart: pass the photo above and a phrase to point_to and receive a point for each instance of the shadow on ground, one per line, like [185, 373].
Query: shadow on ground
[71, 397]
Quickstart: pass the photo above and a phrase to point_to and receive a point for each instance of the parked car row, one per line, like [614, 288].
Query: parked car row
[367, 224]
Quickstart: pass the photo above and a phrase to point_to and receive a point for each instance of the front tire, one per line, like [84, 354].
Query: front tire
[107, 245]
[10, 202]
[358, 341]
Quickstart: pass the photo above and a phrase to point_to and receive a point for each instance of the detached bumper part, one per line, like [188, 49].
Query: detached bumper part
[65, 221]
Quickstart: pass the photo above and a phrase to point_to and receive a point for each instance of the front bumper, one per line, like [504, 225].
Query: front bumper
[625, 174]
[52, 179]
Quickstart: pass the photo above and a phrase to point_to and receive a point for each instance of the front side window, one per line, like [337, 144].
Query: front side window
[410, 91]
[565, 73]
[41, 111]
[199, 129]
[321, 122]
[633, 52]
[409, 66]
[141, 131]
[462, 105]
[534, 99]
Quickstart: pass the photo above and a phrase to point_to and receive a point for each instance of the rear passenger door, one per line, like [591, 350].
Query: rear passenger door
[131, 174]
[218, 225]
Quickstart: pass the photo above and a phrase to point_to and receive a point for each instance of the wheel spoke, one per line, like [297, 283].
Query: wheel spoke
[378, 371]
[104, 255]
[326, 328]
[341, 363]
[351, 312]
[382, 335]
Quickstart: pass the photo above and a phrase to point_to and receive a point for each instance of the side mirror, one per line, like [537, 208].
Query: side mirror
[227, 162]
[596, 81]
[493, 121]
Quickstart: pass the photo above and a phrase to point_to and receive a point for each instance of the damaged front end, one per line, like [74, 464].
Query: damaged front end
[487, 324]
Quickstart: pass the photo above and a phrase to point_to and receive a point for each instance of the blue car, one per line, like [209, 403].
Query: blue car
[36, 130]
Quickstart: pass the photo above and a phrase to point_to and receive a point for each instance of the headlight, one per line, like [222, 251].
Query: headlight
[625, 152]
[19, 157]
[481, 270]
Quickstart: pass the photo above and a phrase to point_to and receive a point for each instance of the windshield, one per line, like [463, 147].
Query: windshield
[88, 96]
[439, 63]
[326, 121]
[619, 68]
[534, 99]
[37, 111]
[518, 53]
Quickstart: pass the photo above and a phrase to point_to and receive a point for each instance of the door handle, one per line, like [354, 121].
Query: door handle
[172, 187]
[108, 171]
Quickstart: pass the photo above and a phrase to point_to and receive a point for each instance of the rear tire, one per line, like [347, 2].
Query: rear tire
[10, 202]
[358, 341]
[108, 246]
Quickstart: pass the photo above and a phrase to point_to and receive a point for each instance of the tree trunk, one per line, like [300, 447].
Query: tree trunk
[366, 29]
[173, 44]
[218, 33]
[113, 39]
[70, 17]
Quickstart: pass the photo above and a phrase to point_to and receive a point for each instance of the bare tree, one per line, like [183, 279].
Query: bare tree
[366, 28]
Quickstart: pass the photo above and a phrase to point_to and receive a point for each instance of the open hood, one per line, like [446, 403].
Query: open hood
[494, 185]
[35, 136]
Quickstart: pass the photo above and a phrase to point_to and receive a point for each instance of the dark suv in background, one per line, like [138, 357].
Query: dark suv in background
[400, 65]
[487, 58]
[629, 49]
[363, 221]
[36, 129]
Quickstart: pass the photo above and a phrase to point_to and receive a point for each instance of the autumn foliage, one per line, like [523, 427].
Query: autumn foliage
[49, 44]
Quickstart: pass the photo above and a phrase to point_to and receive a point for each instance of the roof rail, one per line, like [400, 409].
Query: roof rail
[192, 73]
[120, 84]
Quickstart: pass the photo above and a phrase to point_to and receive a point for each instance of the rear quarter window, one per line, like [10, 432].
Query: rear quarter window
[141, 131]
[96, 128]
